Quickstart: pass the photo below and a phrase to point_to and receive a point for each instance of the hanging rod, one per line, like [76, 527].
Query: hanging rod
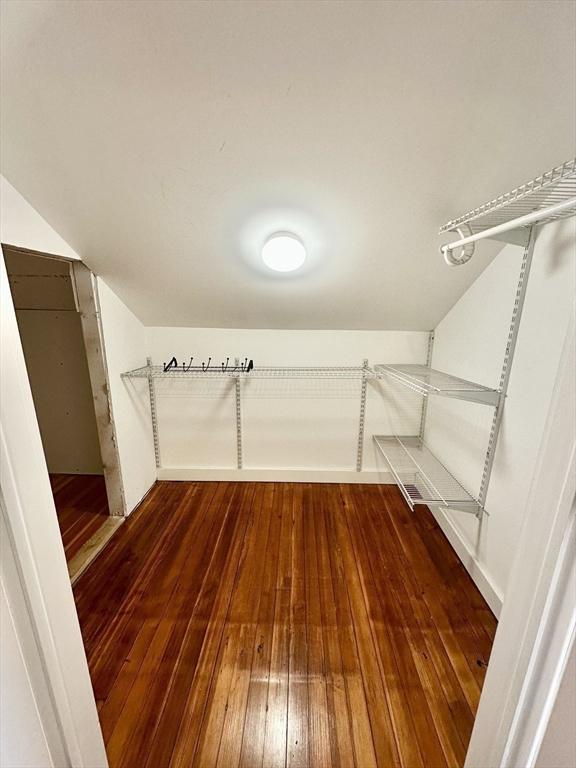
[549, 213]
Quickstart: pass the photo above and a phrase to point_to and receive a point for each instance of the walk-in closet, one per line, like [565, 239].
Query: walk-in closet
[287, 372]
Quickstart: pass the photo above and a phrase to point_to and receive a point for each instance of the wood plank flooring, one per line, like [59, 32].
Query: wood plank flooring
[274, 624]
[81, 506]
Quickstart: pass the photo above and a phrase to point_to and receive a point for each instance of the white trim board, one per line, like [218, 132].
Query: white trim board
[271, 475]
[86, 288]
[549, 658]
[477, 571]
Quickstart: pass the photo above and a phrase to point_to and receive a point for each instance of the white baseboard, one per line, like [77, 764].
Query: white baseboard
[476, 570]
[279, 475]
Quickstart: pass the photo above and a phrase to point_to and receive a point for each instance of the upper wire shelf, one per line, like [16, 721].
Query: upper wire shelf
[509, 218]
[301, 372]
[550, 189]
[427, 381]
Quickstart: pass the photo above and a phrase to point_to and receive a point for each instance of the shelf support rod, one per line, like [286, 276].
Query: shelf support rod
[360, 451]
[521, 221]
[507, 365]
[238, 392]
[425, 398]
[153, 412]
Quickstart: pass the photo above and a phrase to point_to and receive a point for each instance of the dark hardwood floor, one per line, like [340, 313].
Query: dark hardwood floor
[81, 506]
[248, 624]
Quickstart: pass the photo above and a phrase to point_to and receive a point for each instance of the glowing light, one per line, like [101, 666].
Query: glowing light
[283, 253]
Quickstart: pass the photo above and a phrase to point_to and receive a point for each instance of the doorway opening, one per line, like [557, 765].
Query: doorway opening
[67, 374]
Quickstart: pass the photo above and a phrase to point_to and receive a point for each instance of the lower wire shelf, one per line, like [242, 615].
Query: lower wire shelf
[423, 479]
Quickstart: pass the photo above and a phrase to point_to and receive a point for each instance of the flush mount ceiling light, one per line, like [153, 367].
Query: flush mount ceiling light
[283, 253]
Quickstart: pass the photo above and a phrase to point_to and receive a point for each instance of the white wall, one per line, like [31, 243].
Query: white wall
[23, 226]
[470, 342]
[125, 348]
[310, 426]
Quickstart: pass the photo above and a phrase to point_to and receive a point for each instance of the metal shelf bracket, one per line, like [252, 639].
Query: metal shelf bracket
[238, 393]
[362, 420]
[507, 364]
[154, 413]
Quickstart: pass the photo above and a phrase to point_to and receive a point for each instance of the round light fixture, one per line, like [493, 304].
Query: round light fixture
[283, 253]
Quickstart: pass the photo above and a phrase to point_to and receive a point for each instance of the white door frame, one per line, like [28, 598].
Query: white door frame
[32, 525]
[536, 625]
[85, 289]
[86, 293]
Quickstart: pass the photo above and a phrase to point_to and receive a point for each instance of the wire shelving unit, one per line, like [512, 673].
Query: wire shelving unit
[238, 375]
[555, 186]
[427, 381]
[288, 372]
[546, 198]
[510, 218]
[421, 477]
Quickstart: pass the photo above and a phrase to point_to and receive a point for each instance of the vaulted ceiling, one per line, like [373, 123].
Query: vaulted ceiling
[166, 140]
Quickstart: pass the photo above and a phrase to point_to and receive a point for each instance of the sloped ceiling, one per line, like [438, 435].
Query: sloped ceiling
[166, 140]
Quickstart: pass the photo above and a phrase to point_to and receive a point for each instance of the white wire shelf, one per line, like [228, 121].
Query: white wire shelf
[556, 186]
[423, 479]
[509, 218]
[427, 381]
[319, 372]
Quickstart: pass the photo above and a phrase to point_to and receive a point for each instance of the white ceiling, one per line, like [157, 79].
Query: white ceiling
[165, 140]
